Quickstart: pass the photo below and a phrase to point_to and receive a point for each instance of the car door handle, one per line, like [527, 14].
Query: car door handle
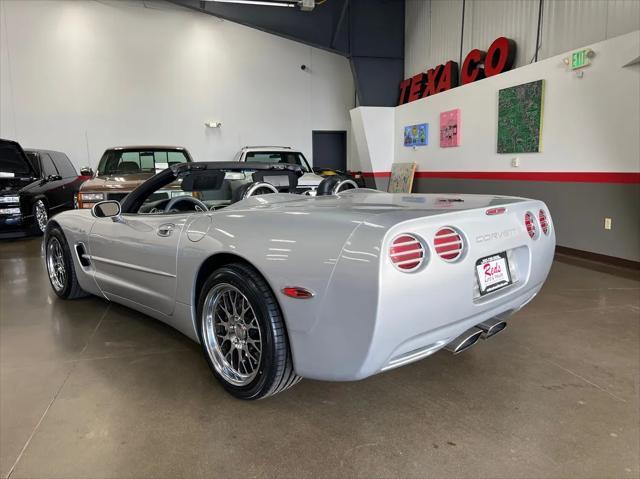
[165, 229]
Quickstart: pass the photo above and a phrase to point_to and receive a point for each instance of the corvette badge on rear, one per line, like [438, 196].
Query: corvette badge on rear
[493, 273]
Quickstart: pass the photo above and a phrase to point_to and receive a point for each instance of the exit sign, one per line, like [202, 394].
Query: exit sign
[580, 59]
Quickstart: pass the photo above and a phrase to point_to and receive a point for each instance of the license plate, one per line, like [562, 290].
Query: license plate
[493, 273]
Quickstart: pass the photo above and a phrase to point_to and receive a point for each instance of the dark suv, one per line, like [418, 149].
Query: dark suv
[34, 185]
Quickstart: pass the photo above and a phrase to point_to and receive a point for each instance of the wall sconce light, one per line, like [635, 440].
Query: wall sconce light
[213, 124]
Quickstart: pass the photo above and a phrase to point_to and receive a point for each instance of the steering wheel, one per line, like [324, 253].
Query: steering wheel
[199, 205]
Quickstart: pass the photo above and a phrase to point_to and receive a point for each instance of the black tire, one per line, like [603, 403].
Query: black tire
[275, 371]
[70, 287]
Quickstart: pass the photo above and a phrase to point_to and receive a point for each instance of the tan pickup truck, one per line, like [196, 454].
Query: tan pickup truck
[122, 169]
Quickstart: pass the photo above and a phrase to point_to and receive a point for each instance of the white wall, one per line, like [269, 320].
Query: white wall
[374, 134]
[434, 27]
[81, 76]
[431, 34]
[589, 123]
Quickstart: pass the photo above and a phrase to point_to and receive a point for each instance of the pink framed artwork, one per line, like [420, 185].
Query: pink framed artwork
[450, 128]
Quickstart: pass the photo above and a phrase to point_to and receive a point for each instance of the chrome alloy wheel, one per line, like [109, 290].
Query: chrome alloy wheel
[41, 215]
[55, 265]
[231, 334]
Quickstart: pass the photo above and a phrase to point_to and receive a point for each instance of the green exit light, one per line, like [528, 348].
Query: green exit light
[580, 59]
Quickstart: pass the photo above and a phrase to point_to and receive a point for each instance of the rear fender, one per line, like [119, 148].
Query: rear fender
[345, 322]
[304, 255]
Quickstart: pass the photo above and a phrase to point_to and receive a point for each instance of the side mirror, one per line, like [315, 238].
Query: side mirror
[86, 171]
[106, 209]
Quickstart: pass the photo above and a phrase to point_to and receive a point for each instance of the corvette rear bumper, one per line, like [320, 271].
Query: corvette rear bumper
[381, 354]
[376, 317]
[430, 342]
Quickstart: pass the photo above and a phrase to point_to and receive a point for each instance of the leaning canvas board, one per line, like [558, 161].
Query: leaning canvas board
[520, 111]
[401, 180]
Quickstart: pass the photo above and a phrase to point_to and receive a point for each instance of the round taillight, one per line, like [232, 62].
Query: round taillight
[544, 222]
[530, 224]
[406, 252]
[448, 244]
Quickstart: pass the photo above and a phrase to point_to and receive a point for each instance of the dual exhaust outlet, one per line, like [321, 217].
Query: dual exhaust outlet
[484, 330]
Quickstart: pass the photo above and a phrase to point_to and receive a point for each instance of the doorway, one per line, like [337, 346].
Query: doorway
[330, 149]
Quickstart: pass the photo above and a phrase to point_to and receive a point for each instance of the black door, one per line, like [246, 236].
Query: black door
[53, 186]
[70, 181]
[330, 150]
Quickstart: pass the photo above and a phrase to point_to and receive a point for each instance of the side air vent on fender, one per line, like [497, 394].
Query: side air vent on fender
[83, 257]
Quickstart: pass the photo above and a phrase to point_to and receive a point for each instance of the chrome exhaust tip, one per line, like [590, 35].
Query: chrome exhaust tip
[464, 341]
[491, 327]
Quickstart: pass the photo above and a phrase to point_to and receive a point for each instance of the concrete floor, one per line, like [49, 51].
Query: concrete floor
[89, 389]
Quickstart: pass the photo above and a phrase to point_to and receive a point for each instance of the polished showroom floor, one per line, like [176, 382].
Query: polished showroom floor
[89, 389]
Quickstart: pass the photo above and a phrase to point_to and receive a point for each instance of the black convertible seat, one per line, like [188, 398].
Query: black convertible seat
[327, 185]
[334, 185]
[238, 193]
[284, 180]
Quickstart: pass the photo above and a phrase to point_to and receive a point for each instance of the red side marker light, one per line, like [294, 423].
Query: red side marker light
[495, 211]
[297, 292]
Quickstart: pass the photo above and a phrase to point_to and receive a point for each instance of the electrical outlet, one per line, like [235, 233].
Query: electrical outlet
[607, 223]
[515, 162]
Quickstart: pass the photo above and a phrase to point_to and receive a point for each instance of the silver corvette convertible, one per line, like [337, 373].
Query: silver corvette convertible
[277, 287]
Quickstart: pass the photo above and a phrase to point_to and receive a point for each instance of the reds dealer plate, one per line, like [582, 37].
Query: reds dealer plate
[493, 273]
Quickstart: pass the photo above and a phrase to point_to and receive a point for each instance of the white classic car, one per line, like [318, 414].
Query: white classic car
[310, 180]
[277, 286]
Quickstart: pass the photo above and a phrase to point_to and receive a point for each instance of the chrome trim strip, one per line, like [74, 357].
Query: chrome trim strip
[131, 266]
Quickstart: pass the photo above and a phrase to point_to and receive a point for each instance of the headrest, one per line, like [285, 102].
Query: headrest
[326, 186]
[333, 185]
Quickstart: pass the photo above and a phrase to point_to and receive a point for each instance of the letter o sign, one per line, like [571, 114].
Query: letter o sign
[500, 56]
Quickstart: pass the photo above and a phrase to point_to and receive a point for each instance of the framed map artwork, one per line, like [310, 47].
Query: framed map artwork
[520, 118]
